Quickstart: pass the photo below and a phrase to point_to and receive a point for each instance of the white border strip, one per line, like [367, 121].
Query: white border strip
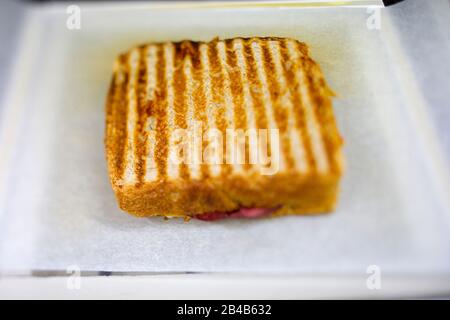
[224, 286]
[174, 5]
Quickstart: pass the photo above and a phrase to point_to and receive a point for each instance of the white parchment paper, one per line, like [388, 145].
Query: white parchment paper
[57, 208]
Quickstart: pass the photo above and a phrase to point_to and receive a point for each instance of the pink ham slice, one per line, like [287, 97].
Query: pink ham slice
[247, 213]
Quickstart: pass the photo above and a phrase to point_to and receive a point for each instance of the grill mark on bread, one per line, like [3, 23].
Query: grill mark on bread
[151, 169]
[252, 108]
[199, 97]
[111, 137]
[219, 96]
[232, 96]
[255, 87]
[279, 109]
[292, 136]
[180, 105]
[161, 150]
[312, 125]
[194, 150]
[121, 115]
[214, 168]
[133, 62]
[261, 65]
[110, 106]
[290, 69]
[140, 132]
[309, 83]
[239, 113]
[173, 161]
[313, 75]
[255, 93]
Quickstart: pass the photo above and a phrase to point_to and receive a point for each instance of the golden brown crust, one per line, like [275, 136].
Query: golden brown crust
[290, 191]
[292, 194]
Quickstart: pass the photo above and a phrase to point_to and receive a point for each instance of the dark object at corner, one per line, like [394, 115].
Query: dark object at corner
[391, 2]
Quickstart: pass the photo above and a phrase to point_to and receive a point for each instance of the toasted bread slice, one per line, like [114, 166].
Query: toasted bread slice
[255, 83]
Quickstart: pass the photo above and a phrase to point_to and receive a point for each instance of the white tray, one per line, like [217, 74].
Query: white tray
[57, 208]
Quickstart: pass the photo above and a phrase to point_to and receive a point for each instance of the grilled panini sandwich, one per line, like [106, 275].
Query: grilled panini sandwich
[227, 128]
